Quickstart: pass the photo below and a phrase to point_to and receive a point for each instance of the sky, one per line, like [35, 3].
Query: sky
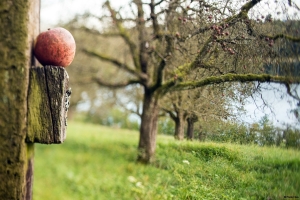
[279, 105]
[56, 11]
[53, 11]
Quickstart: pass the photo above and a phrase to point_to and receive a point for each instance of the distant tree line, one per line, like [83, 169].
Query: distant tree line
[262, 133]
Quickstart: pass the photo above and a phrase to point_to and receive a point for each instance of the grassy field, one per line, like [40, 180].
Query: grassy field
[97, 162]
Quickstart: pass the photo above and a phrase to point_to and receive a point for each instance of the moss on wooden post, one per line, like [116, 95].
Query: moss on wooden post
[48, 99]
[38, 107]
[19, 25]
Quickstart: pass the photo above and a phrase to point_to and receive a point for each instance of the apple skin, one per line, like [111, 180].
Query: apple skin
[55, 47]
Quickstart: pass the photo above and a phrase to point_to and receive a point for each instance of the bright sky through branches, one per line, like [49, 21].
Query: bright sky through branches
[56, 11]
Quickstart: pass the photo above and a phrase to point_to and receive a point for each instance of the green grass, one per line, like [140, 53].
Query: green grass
[97, 162]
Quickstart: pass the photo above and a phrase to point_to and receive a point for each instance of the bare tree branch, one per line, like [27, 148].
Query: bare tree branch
[295, 6]
[125, 35]
[201, 30]
[117, 63]
[158, 3]
[243, 13]
[288, 89]
[174, 86]
[101, 82]
[246, 7]
[154, 17]
[172, 115]
[133, 111]
[233, 19]
[96, 32]
[142, 55]
[288, 37]
[159, 75]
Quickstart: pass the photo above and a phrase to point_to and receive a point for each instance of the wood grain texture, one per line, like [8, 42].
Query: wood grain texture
[47, 107]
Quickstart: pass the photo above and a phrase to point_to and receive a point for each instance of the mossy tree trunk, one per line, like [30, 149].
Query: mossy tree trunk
[190, 129]
[19, 25]
[179, 125]
[148, 128]
[178, 116]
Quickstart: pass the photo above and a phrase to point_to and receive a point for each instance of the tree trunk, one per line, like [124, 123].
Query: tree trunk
[190, 130]
[148, 129]
[179, 126]
[19, 25]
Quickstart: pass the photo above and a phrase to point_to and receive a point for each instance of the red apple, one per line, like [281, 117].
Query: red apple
[55, 47]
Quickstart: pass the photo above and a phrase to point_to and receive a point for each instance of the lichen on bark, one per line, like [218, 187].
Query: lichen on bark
[15, 60]
[174, 86]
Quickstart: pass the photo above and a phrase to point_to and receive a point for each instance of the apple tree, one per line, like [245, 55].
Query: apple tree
[186, 107]
[176, 45]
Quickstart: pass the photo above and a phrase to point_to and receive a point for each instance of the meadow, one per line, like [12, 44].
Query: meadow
[97, 162]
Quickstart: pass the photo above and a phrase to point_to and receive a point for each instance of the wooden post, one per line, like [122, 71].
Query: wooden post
[30, 97]
[48, 102]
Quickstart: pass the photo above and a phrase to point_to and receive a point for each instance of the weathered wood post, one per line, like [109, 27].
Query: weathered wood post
[48, 103]
[33, 100]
